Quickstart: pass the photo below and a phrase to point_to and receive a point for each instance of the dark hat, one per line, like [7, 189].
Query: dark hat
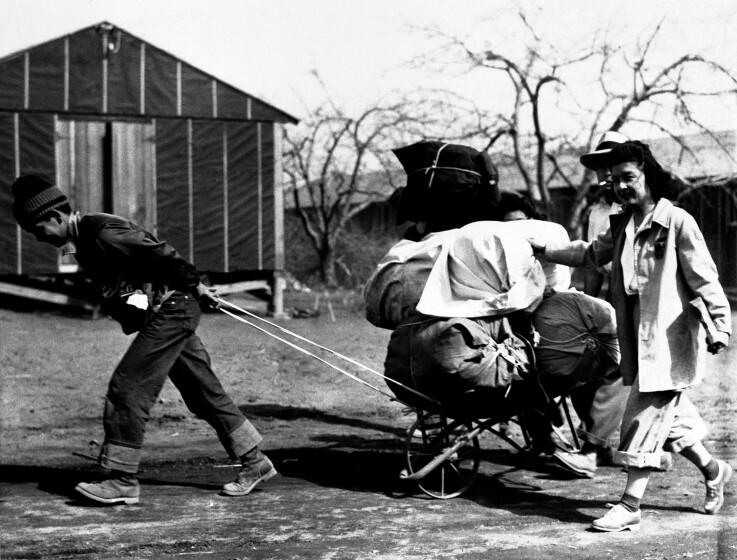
[597, 158]
[34, 197]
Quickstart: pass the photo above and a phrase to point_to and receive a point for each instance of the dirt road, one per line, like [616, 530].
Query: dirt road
[338, 449]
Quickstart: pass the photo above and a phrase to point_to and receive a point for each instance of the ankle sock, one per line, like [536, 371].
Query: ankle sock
[253, 456]
[124, 477]
[710, 470]
[630, 502]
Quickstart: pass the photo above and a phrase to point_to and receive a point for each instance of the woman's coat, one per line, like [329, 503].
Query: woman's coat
[672, 266]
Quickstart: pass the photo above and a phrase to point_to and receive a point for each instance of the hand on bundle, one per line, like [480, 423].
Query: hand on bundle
[538, 246]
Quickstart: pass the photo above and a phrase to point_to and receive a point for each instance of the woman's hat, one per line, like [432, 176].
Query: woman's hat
[597, 158]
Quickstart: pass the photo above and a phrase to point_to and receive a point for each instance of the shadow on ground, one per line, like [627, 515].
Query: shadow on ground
[282, 412]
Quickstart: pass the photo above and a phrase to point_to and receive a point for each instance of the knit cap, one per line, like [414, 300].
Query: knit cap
[34, 197]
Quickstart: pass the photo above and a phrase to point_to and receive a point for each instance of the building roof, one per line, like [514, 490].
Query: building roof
[103, 69]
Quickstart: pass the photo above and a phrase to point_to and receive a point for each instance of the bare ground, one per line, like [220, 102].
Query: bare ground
[337, 445]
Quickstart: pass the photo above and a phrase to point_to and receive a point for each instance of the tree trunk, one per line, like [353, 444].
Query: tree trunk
[328, 267]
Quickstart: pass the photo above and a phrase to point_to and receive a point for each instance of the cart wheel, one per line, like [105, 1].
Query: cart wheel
[456, 474]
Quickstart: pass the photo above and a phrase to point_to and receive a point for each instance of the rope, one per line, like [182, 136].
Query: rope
[333, 352]
[554, 341]
[426, 169]
[434, 165]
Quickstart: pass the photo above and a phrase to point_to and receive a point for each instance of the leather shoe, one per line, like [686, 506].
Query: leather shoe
[618, 519]
[249, 476]
[581, 464]
[123, 490]
[715, 488]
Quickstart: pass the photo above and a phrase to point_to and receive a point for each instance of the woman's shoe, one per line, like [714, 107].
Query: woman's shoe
[617, 519]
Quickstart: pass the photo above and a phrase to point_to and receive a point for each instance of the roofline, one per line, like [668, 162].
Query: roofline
[291, 118]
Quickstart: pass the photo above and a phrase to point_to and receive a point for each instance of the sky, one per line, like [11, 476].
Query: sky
[360, 49]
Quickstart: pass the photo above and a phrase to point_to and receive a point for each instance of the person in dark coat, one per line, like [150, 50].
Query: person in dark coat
[150, 289]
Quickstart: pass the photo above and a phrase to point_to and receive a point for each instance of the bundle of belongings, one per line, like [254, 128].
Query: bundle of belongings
[445, 181]
[462, 304]
[577, 340]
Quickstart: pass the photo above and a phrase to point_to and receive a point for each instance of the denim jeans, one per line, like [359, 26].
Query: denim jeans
[167, 346]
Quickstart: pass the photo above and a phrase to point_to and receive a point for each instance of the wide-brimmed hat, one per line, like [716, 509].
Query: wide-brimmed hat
[597, 158]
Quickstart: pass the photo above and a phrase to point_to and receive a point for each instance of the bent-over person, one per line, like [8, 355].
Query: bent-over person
[125, 261]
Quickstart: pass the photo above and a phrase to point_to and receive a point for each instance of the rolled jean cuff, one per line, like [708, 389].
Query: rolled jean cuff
[241, 440]
[678, 445]
[120, 458]
[638, 460]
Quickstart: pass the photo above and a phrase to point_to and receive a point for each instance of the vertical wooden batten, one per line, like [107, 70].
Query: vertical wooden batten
[142, 81]
[179, 88]
[16, 170]
[105, 54]
[66, 73]
[57, 174]
[226, 232]
[190, 190]
[260, 193]
[155, 187]
[26, 79]
[279, 258]
[214, 99]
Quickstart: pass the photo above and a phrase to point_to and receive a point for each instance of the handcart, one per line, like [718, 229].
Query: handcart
[441, 448]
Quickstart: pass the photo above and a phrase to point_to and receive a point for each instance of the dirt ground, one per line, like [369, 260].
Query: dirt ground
[338, 447]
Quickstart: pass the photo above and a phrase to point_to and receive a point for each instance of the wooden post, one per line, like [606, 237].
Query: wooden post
[278, 282]
[276, 304]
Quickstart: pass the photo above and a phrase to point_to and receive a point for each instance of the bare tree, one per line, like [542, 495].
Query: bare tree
[633, 87]
[653, 88]
[332, 161]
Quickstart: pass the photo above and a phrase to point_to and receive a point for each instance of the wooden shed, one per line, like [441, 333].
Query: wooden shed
[127, 128]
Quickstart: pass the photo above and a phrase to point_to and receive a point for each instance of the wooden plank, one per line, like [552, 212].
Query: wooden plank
[245, 286]
[45, 295]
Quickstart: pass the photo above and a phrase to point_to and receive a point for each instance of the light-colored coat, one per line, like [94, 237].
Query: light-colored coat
[672, 266]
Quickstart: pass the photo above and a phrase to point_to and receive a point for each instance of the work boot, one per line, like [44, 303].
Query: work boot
[249, 476]
[619, 518]
[715, 488]
[581, 464]
[121, 489]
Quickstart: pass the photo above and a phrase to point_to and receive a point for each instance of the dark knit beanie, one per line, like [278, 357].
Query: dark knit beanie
[34, 197]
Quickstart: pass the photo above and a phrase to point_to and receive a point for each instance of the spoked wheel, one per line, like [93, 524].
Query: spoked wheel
[453, 476]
